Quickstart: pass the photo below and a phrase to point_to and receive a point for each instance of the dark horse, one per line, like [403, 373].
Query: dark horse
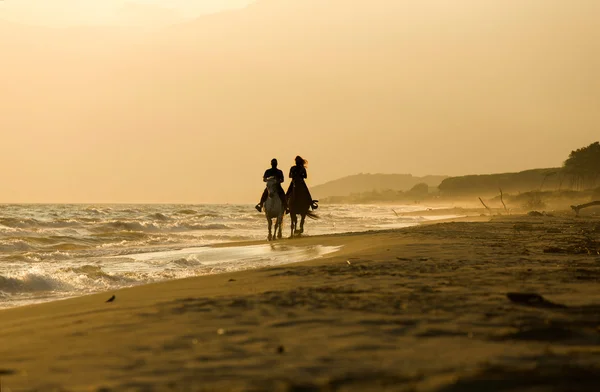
[299, 202]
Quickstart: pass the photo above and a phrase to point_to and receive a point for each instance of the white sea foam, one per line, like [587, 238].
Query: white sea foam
[55, 251]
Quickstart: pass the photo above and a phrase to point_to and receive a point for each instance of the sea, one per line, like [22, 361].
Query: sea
[52, 252]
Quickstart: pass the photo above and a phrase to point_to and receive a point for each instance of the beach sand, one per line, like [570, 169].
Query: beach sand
[417, 309]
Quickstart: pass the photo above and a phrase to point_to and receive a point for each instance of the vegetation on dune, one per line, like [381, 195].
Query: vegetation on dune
[581, 171]
[578, 179]
[417, 193]
[583, 167]
[489, 184]
[377, 185]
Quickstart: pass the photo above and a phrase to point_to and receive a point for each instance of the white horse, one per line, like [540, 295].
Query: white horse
[273, 208]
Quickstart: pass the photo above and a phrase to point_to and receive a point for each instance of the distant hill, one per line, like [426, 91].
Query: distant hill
[489, 184]
[360, 183]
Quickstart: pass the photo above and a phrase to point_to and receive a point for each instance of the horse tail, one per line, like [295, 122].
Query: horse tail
[312, 215]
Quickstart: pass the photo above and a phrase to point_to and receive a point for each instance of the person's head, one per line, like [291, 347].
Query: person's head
[301, 161]
[274, 162]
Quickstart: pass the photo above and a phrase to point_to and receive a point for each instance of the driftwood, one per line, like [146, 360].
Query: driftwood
[502, 200]
[488, 208]
[586, 205]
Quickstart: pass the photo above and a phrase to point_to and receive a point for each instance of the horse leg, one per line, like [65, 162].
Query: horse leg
[270, 237]
[278, 228]
[293, 224]
[302, 223]
[296, 230]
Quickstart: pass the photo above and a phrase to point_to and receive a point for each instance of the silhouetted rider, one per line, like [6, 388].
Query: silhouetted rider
[273, 172]
[298, 175]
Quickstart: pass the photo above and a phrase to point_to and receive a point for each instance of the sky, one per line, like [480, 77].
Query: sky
[61, 13]
[194, 110]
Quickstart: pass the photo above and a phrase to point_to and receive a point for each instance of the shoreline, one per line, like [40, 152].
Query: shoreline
[155, 250]
[418, 309]
[324, 240]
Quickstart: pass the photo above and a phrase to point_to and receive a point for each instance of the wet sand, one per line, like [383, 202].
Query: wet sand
[417, 309]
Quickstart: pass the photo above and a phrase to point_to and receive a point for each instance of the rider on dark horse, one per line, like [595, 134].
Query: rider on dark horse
[273, 172]
[298, 175]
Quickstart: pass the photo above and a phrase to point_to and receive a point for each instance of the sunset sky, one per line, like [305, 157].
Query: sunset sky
[99, 12]
[194, 109]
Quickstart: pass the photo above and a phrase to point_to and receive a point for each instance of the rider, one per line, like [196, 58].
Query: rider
[298, 175]
[273, 172]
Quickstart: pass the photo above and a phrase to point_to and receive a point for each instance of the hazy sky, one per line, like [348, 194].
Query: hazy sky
[195, 111]
[85, 12]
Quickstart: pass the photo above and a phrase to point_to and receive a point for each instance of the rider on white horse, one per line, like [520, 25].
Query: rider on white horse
[273, 172]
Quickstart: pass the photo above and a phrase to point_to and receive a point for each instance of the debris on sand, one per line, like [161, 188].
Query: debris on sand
[535, 213]
[532, 299]
[555, 249]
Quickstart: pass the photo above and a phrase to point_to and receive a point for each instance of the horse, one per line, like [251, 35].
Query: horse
[299, 203]
[273, 208]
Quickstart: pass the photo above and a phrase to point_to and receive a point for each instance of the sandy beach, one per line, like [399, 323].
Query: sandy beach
[441, 157]
[436, 307]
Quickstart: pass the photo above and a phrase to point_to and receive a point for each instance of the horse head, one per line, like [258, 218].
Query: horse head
[272, 183]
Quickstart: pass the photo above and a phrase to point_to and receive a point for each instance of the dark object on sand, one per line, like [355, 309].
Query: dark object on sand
[280, 350]
[231, 280]
[532, 299]
[586, 205]
[535, 213]
[6, 372]
[555, 249]
[111, 299]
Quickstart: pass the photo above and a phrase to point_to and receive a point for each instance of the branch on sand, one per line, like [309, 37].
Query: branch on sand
[502, 200]
[586, 205]
[488, 208]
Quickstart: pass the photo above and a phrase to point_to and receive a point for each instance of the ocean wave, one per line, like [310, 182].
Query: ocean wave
[98, 211]
[34, 257]
[210, 215]
[119, 225]
[13, 245]
[86, 278]
[50, 243]
[159, 216]
[66, 246]
[29, 223]
[9, 230]
[198, 226]
[32, 283]
[102, 234]
[150, 227]
[227, 238]
[186, 212]
[23, 223]
[183, 262]
[93, 272]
